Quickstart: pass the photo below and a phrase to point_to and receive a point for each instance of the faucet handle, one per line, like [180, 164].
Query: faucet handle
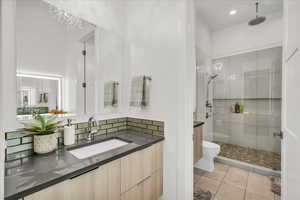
[69, 121]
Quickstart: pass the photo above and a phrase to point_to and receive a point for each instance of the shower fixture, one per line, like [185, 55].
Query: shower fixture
[258, 19]
[211, 77]
[208, 103]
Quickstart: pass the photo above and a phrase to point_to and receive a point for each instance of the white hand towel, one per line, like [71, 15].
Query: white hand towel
[136, 92]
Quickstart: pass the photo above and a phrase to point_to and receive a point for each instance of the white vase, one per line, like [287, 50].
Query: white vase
[44, 143]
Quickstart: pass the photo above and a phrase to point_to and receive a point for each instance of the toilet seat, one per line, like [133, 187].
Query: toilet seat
[210, 145]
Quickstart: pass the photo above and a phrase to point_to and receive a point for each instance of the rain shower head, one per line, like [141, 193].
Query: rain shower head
[258, 19]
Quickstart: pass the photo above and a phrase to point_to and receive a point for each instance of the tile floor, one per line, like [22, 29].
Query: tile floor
[231, 183]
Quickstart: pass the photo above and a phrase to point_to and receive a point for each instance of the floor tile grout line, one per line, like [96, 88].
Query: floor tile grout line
[221, 182]
[245, 194]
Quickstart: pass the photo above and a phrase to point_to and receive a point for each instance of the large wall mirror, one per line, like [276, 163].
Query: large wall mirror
[58, 64]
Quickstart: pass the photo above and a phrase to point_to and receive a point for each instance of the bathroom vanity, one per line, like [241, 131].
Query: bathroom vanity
[197, 140]
[130, 172]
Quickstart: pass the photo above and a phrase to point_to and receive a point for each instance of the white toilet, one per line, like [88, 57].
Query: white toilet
[210, 151]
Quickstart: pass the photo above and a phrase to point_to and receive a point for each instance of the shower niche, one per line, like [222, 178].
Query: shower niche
[253, 81]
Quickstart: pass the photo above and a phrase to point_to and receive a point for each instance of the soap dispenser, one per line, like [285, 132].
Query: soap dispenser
[69, 133]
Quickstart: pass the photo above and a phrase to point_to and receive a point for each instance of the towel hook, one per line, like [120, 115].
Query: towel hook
[148, 77]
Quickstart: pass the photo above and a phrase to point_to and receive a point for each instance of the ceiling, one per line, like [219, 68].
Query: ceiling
[216, 12]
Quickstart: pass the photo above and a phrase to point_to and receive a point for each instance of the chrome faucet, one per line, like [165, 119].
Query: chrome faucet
[91, 124]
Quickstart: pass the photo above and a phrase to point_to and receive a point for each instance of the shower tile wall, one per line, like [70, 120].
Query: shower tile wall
[254, 80]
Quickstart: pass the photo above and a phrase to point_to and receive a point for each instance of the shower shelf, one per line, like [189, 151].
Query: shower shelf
[247, 99]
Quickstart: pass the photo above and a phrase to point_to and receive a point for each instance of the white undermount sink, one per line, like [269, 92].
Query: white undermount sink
[88, 151]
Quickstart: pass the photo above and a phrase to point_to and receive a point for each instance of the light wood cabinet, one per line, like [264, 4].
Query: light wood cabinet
[106, 181]
[150, 188]
[100, 183]
[137, 176]
[114, 181]
[140, 165]
[158, 156]
[197, 140]
[131, 170]
[135, 193]
[81, 187]
[59, 191]
[153, 186]
[148, 161]
[158, 190]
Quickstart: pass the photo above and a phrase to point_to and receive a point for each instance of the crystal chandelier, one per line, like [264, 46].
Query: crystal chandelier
[64, 17]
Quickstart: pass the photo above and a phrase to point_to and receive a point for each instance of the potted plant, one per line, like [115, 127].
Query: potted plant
[43, 130]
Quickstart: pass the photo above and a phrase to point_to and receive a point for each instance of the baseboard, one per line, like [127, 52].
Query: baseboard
[250, 167]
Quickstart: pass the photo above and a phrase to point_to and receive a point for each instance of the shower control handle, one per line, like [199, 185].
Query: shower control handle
[280, 134]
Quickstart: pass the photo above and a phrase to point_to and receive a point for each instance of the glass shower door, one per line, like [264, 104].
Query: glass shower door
[247, 107]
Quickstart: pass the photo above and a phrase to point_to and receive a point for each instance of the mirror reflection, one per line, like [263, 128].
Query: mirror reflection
[55, 53]
[40, 94]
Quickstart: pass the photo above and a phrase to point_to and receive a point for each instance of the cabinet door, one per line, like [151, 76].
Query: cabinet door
[134, 193]
[100, 186]
[81, 187]
[107, 181]
[200, 141]
[114, 180]
[158, 186]
[148, 161]
[57, 192]
[149, 192]
[158, 156]
[197, 137]
[131, 170]
[195, 146]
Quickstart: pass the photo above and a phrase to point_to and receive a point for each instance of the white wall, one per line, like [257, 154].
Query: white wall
[2, 137]
[40, 39]
[243, 38]
[204, 62]
[7, 77]
[157, 45]
[110, 61]
[290, 105]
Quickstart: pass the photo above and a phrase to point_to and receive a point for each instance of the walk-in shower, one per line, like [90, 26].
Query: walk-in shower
[247, 107]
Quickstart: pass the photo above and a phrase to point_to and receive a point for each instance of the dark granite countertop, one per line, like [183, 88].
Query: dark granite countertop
[42, 171]
[198, 123]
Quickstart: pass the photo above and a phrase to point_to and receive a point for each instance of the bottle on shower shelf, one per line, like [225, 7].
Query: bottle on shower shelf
[232, 109]
[241, 108]
[237, 107]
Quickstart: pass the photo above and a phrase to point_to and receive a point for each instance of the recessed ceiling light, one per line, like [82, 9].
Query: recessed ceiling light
[233, 12]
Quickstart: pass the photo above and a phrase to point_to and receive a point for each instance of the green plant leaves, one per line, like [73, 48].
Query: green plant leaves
[42, 126]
